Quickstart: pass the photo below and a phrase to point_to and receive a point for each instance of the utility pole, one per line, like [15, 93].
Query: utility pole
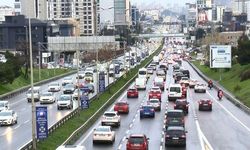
[32, 92]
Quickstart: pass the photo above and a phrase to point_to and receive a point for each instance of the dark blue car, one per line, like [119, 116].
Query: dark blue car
[147, 111]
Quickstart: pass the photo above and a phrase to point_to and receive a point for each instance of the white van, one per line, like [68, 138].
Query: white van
[36, 91]
[174, 92]
[156, 59]
[140, 83]
[4, 105]
[142, 73]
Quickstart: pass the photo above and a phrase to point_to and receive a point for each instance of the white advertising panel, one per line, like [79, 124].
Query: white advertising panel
[220, 56]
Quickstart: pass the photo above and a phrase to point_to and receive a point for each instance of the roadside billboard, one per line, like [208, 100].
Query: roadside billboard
[220, 56]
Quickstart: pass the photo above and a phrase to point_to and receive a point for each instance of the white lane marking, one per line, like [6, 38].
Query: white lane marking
[90, 132]
[236, 119]
[26, 121]
[17, 126]
[161, 147]
[120, 146]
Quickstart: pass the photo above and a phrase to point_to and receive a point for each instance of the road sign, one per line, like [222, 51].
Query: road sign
[220, 56]
[101, 82]
[84, 101]
[41, 122]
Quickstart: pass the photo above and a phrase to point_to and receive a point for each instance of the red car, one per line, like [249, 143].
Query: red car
[155, 92]
[205, 104]
[184, 91]
[132, 92]
[137, 142]
[121, 107]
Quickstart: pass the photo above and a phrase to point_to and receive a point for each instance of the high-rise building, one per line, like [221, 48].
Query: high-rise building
[32, 8]
[83, 10]
[219, 13]
[135, 15]
[122, 12]
[106, 11]
[6, 11]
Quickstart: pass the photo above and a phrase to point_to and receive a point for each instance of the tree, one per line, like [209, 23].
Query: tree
[243, 50]
[10, 70]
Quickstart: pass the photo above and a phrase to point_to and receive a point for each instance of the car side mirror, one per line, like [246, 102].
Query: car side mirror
[147, 138]
[186, 131]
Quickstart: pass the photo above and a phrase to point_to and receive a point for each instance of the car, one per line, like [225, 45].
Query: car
[121, 107]
[184, 80]
[103, 134]
[174, 118]
[155, 92]
[132, 92]
[178, 76]
[71, 147]
[111, 118]
[155, 103]
[67, 80]
[137, 142]
[175, 135]
[200, 88]
[88, 76]
[36, 94]
[69, 89]
[153, 66]
[205, 104]
[184, 91]
[176, 67]
[65, 101]
[4, 105]
[192, 83]
[161, 73]
[81, 75]
[147, 111]
[185, 72]
[182, 104]
[75, 94]
[141, 83]
[80, 84]
[8, 117]
[158, 81]
[164, 67]
[54, 87]
[47, 97]
[174, 92]
[150, 70]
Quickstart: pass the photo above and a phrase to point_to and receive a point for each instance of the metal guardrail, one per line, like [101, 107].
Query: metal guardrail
[28, 145]
[227, 94]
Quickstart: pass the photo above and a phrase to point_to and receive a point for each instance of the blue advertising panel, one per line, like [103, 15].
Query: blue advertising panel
[85, 89]
[84, 101]
[101, 82]
[41, 122]
[117, 69]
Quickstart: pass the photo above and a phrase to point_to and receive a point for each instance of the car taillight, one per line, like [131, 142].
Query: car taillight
[150, 94]
[167, 136]
[210, 103]
[174, 105]
[159, 94]
[200, 102]
[182, 120]
[183, 136]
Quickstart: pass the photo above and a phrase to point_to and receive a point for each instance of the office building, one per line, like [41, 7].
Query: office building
[106, 11]
[122, 11]
[6, 11]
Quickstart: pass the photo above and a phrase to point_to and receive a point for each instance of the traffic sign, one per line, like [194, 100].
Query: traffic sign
[84, 101]
[41, 122]
[101, 82]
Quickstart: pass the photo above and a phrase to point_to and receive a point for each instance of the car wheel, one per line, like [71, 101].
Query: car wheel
[58, 108]
[141, 117]
[211, 109]
[199, 108]
[16, 121]
[118, 124]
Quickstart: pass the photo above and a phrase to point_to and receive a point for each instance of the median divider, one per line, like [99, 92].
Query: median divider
[75, 124]
[217, 86]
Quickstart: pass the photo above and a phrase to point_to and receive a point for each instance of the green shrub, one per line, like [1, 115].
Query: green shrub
[237, 88]
[245, 75]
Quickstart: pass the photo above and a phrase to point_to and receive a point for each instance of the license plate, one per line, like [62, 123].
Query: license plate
[205, 104]
[154, 96]
[146, 113]
[132, 94]
[175, 138]
[120, 110]
[136, 144]
[109, 118]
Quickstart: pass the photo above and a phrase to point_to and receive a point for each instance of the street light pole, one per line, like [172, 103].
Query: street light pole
[32, 92]
[39, 67]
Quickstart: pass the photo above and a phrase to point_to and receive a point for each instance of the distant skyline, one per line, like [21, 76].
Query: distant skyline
[163, 3]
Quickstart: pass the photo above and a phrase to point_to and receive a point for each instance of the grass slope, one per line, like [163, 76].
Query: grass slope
[21, 81]
[230, 80]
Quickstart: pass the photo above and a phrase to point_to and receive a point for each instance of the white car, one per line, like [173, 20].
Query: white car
[200, 87]
[192, 83]
[65, 101]
[111, 118]
[184, 80]
[150, 70]
[103, 134]
[54, 87]
[4, 105]
[8, 117]
[75, 94]
[67, 80]
[81, 74]
[155, 103]
[47, 97]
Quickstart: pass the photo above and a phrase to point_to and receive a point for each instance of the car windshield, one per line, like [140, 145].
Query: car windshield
[175, 132]
[65, 98]
[101, 129]
[69, 86]
[1, 104]
[147, 107]
[174, 114]
[181, 102]
[67, 78]
[121, 104]
[184, 78]
[142, 72]
[47, 94]
[154, 101]
[136, 140]
[7, 113]
[175, 89]
[54, 84]
[88, 74]
[109, 114]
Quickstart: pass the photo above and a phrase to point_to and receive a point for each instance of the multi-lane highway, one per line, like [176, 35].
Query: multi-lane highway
[226, 127]
[16, 136]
